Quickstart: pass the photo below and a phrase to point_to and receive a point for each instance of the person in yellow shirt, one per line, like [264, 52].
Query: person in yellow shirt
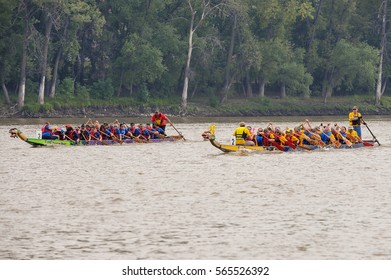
[289, 135]
[355, 120]
[352, 135]
[241, 133]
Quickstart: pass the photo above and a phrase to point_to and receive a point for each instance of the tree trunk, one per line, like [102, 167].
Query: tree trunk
[23, 64]
[328, 94]
[187, 67]
[379, 91]
[283, 91]
[121, 80]
[314, 25]
[229, 62]
[77, 70]
[249, 90]
[5, 91]
[327, 89]
[79, 76]
[206, 9]
[55, 74]
[48, 30]
[261, 91]
[57, 61]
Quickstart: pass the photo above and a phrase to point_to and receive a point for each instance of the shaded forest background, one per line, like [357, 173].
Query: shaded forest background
[233, 56]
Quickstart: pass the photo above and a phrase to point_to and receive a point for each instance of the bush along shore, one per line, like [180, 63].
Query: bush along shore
[232, 108]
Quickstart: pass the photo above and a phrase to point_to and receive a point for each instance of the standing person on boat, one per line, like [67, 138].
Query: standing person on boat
[355, 120]
[241, 134]
[159, 119]
[48, 132]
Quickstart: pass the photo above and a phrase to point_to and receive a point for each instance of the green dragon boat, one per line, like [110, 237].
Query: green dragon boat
[36, 142]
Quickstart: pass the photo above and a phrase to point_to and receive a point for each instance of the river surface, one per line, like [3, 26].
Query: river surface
[188, 200]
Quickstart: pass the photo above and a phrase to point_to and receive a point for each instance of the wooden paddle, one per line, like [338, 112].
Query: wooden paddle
[82, 134]
[112, 136]
[314, 134]
[136, 139]
[374, 137]
[306, 137]
[336, 143]
[275, 144]
[100, 141]
[116, 139]
[344, 139]
[318, 139]
[287, 142]
[66, 136]
[180, 134]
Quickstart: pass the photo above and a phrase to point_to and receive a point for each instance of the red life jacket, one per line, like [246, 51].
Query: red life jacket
[44, 129]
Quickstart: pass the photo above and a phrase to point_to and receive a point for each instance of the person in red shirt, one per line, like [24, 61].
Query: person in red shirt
[160, 120]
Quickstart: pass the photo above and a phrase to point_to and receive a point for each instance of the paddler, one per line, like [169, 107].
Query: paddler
[159, 119]
[241, 133]
[48, 132]
[70, 133]
[352, 135]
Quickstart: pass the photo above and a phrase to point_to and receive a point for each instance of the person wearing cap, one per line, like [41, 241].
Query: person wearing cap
[352, 135]
[159, 119]
[355, 120]
[241, 134]
[290, 136]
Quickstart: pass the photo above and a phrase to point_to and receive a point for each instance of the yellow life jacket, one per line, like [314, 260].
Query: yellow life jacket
[241, 134]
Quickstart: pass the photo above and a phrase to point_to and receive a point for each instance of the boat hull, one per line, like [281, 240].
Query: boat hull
[235, 148]
[35, 142]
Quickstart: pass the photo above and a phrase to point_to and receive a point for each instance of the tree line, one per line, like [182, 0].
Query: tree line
[151, 49]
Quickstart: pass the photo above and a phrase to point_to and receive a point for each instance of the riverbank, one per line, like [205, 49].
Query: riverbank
[233, 108]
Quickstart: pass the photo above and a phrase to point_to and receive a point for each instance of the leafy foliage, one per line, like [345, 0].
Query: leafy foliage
[103, 51]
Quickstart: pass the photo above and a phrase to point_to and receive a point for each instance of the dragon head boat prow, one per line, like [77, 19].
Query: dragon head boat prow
[13, 132]
[16, 133]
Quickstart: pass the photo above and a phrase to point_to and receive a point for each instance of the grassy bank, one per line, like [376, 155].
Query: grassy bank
[79, 107]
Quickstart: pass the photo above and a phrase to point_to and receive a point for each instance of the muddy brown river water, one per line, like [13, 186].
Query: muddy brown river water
[188, 200]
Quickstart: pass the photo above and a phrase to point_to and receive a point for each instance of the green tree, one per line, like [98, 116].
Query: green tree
[142, 62]
[351, 66]
[272, 23]
[199, 11]
[7, 44]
